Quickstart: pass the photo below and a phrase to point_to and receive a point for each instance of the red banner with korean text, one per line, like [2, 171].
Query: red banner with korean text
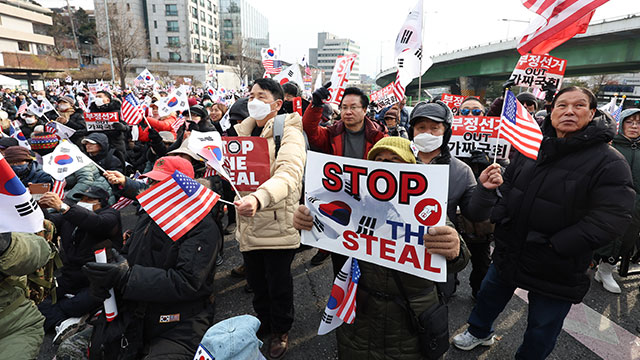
[533, 70]
[452, 101]
[470, 133]
[246, 160]
[100, 121]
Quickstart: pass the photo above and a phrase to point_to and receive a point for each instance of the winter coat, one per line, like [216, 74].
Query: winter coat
[77, 123]
[27, 130]
[381, 329]
[83, 179]
[576, 197]
[117, 135]
[107, 157]
[329, 140]
[164, 124]
[404, 116]
[399, 131]
[21, 330]
[272, 225]
[81, 233]
[35, 175]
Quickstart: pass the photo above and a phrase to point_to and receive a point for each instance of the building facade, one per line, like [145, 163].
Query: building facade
[177, 30]
[22, 27]
[243, 25]
[331, 46]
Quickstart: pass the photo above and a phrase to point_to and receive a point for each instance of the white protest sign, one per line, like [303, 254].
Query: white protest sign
[340, 77]
[377, 212]
[533, 70]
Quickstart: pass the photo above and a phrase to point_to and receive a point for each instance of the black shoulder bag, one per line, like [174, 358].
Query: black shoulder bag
[432, 326]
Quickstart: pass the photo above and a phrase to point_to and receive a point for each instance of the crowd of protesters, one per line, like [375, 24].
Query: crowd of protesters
[549, 221]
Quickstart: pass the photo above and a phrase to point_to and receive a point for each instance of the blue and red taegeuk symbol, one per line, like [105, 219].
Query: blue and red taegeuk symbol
[270, 52]
[337, 211]
[9, 182]
[211, 92]
[147, 78]
[172, 102]
[336, 297]
[63, 159]
[216, 150]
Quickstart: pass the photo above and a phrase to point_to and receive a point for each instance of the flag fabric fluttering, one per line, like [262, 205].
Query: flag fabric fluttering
[34, 108]
[177, 204]
[519, 127]
[410, 34]
[18, 210]
[347, 311]
[179, 121]
[270, 61]
[22, 108]
[61, 130]
[558, 21]
[16, 133]
[123, 202]
[64, 160]
[339, 291]
[145, 78]
[131, 112]
[292, 73]
[176, 101]
[58, 188]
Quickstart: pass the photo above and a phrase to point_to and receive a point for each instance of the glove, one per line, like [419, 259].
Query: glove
[103, 277]
[507, 85]
[480, 158]
[5, 242]
[320, 95]
[154, 135]
[550, 91]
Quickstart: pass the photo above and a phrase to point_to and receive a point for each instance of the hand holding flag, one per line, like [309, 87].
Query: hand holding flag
[519, 127]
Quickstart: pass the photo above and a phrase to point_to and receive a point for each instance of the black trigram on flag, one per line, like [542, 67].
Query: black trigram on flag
[312, 199]
[318, 224]
[400, 62]
[348, 189]
[366, 225]
[406, 36]
[342, 276]
[27, 208]
[418, 53]
[327, 318]
[290, 73]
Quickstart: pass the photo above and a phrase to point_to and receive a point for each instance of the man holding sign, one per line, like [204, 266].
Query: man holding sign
[378, 283]
[267, 239]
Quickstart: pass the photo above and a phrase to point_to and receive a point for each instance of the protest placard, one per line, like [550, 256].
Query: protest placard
[377, 212]
[100, 121]
[340, 77]
[246, 161]
[452, 101]
[470, 133]
[533, 70]
[384, 97]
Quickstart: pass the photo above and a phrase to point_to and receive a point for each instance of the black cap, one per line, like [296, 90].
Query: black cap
[436, 111]
[93, 193]
[6, 142]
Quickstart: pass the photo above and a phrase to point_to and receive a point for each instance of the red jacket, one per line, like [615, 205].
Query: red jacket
[158, 125]
[329, 140]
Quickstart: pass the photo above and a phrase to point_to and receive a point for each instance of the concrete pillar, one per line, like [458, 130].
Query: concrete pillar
[473, 86]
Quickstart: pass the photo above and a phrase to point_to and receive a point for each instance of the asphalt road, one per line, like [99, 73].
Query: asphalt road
[605, 326]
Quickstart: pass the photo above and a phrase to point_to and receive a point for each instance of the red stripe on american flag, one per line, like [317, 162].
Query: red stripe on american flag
[132, 115]
[58, 188]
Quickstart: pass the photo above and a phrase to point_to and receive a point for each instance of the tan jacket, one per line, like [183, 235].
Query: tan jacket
[272, 226]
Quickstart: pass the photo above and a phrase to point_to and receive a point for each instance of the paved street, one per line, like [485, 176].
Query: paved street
[605, 326]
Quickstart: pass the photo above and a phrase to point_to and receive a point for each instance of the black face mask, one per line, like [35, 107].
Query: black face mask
[287, 107]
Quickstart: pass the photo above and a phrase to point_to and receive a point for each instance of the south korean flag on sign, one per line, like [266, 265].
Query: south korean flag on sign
[203, 354]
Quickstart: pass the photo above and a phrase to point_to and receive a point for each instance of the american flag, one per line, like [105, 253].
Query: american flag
[23, 107]
[209, 172]
[58, 188]
[616, 115]
[307, 70]
[519, 127]
[177, 204]
[131, 112]
[179, 121]
[560, 21]
[398, 89]
[347, 311]
[51, 127]
[123, 202]
[272, 66]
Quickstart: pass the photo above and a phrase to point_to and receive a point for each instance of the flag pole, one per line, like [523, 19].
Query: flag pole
[495, 152]
[421, 52]
[230, 182]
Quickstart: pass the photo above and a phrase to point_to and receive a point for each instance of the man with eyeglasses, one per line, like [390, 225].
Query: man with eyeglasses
[353, 136]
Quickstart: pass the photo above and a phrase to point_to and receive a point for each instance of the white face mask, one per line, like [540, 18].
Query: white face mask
[39, 97]
[258, 109]
[86, 205]
[427, 143]
[98, 101]
[63, 107]
[30, 120]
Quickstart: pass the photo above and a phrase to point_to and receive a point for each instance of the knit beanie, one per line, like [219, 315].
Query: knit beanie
[397, 145]
[43, 142]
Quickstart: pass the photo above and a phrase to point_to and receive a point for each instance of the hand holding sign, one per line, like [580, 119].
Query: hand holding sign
[302, 219]
[443, 240]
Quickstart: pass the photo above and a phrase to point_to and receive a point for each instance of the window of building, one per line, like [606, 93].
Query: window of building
[194, 1]
[208, 4]
[201, 2]
[210, 34]
[153, 8]
[128, 7]
[202, 16]
[174, 56]
[194, 29]
[23, 46]
[194, 12]
[228, 23]
[157, 55]
[196, 43]
[196, 57]
[171, 10]
[155, 24]
[215, 9]
[228, 35]
[156, 40]
[204, 30]
[215, 22]
[172, 26]
[209, 20]
[216, 35]
[173, 41]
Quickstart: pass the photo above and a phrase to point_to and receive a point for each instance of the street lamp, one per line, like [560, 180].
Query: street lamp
[509, 21]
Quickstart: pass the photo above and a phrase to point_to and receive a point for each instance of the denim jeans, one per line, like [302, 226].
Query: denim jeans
[544, 322]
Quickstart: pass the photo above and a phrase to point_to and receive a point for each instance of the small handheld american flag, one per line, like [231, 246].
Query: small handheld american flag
[58, 188]
[519, 127]
[347, 311]
[131, 111]
[176, 124]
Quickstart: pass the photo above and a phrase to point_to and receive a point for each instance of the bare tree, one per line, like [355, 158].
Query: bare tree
[128, 40]
[242, 57]
[175, 47]
[597, 82]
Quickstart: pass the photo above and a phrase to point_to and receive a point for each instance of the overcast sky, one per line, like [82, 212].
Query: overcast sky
[449, 24]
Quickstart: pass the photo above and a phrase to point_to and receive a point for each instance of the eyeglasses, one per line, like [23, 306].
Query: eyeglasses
[632, 122]
[352, 108]
[475, 112]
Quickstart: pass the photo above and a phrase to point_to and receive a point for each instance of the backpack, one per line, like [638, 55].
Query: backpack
[278, 132]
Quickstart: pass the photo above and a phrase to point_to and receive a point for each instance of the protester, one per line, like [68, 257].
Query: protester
[171, 280]
[554, 212]
[291, 91]
[529, 101]
[96, 145]
[21, 330]
[471, 106]
[72, 117]
[391, 121]
[379, 298]
[84, 227]
[353, 136]
[28, 121]
[25, 166]
[626, 142]
[404, 113]
[265, 233]
[104, 103]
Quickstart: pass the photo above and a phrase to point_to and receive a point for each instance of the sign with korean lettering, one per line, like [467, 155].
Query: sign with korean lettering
[534, 70]
[378, 212]
[100, 121]
[452, 101]
[246, 160]
[470, 133]
[340, 77]
[384, 97]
